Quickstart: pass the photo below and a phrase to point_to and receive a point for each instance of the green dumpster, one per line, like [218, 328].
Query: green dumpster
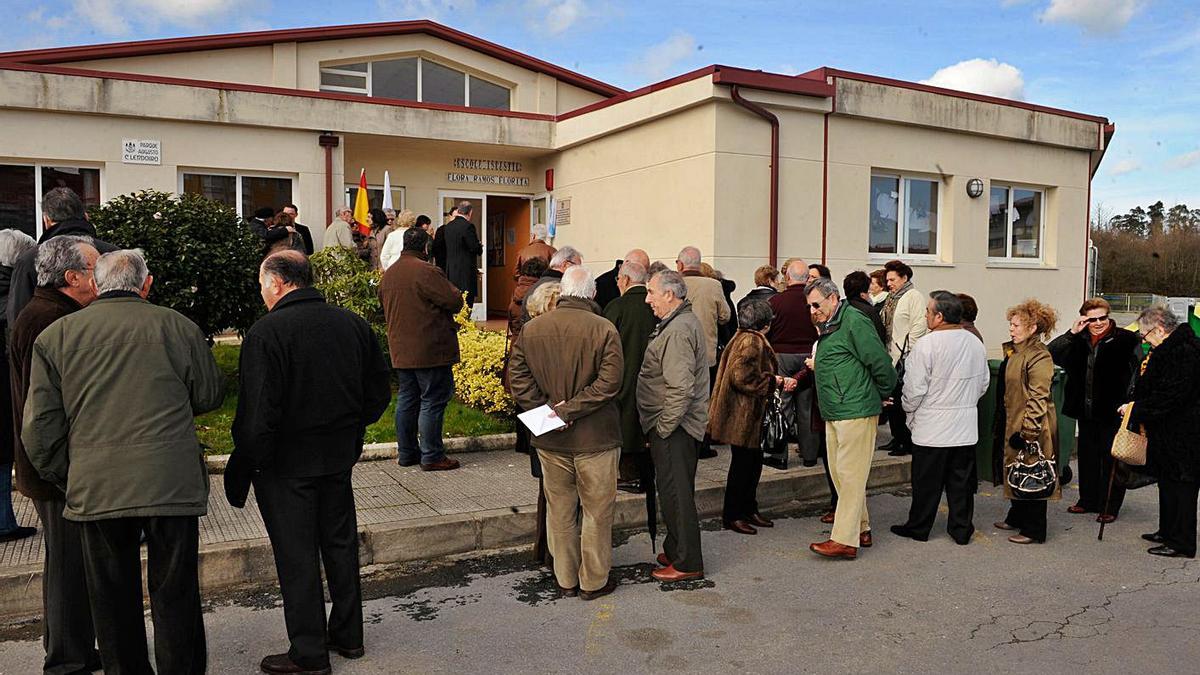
[987, 412]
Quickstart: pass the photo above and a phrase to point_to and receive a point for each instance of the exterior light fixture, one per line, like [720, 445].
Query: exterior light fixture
[974, 188]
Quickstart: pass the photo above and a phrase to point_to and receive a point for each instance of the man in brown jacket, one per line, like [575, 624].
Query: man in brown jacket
[419, 304]
[64, 285]
[571, 359]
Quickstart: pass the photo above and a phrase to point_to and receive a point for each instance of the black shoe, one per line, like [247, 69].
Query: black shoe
[631, 486]
[19, 533]
[1168, 552]
[599, 592]
[900, 451]
[568, 592]
[889, 446]
[347, 652]
[809, 462]
[409, 463]
[280, 664]
[1153, 537]
[707, 453]
[902, 531]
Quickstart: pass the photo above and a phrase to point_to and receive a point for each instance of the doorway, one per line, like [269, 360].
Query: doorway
[508, 233]
[447, 202]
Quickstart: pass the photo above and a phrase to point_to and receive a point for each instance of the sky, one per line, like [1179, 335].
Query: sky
[1136, 62]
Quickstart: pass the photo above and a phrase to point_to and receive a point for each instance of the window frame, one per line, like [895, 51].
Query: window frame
[369, 90]
[39, 189]
[372, 186]
[237, 176]
[901, 252]
[1008, 258]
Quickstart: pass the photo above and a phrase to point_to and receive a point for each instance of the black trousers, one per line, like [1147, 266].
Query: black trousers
[1095, 466]
[935, 470]
[741, 485]
[675, 459]
[824, 454]
[311, 521]
[799, 405]
[1177, 519]
[1029, 517]
[898, 424]
[112, 561]
[67, 632]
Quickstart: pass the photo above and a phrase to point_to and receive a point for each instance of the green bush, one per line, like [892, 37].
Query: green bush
[204, 259]
[349, 282]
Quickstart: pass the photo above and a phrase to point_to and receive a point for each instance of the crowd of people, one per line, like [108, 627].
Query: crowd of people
[647, 366]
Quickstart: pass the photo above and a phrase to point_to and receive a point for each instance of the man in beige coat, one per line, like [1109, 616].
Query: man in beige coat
[708, 304]
[571, 359]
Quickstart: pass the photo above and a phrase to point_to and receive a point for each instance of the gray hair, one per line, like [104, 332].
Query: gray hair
[543, 299]
[12, 244]
[540, 232]
[634, 272]
[801, 273]
[123, 270]
[342, 209]
[670, 281]
[464, 208]
[827, 287]
[947, 304]
[58, 256]
[656, 267]
[390, 213]
[566, 254]
[689, 257]
[755, 315]
[578, 282]
[61, 204]
[1157, 315]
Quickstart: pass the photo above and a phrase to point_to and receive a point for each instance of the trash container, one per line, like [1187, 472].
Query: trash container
[987, 413]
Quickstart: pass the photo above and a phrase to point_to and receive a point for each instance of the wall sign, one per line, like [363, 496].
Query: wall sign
[487, 165]
[502, 166]
[141, 151]
[513, 181]
[562, 212]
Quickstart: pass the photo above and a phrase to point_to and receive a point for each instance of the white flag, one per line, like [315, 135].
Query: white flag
[387, 191]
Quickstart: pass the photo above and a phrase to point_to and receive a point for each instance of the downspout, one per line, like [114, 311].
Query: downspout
[329, 142]
[773, 247]
[825, 178]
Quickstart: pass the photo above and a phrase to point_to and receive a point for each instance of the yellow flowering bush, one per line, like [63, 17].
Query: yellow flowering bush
[478, 376]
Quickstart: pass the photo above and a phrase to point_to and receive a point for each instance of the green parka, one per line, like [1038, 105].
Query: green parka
[853, 370]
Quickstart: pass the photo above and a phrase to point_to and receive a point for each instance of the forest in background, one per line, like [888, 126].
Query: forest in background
[1148, 250]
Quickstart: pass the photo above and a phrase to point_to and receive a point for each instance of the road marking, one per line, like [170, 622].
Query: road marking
[598, 629]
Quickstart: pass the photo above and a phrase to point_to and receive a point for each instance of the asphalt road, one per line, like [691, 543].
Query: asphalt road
[1074, 604]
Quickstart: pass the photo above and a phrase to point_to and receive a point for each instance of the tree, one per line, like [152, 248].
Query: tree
[1155, 214]
[203, 258]
[1181, 219]
[1136, 222]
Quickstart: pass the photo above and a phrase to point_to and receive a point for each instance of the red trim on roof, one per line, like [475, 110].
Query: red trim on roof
[649, 89]
[269, 37]
[281, 91]
[826, 72]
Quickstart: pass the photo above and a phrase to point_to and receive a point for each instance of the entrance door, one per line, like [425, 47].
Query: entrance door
[447, 202]
[508, 233]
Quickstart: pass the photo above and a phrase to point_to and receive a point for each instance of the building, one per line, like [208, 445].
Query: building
[979, 194]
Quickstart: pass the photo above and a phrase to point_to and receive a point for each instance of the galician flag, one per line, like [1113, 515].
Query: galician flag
[361, 205]
[387, 191]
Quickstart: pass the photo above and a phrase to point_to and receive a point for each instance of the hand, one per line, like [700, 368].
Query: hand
[291, 229]
[1124, 407]
[789, 384]
[888, 402]
[1079, 325]
[808, 363]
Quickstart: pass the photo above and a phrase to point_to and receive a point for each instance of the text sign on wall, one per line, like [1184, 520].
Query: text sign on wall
[141, 151]
[562, 212]
[498, 165]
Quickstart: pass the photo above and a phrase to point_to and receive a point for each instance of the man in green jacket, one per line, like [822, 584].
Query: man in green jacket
[113, 389]
[853, 374]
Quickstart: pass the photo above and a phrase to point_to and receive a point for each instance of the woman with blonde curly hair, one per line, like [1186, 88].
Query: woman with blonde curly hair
[393, 245]
[1025, 413]
[543, 299]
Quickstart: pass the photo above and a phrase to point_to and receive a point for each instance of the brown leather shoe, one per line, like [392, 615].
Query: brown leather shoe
[832, 549]
[444, 464]
[741, 527]
[282, 663]
[1106, 518]
[669, 575]
[759, 520]
[567, 592]
[864, 539]
[607, 588]
[347, 652]
[1076, 508]
[1001, 525]
[1022, 539]
[827, 518]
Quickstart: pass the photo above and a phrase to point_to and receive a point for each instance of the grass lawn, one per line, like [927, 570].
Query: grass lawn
[213, 428]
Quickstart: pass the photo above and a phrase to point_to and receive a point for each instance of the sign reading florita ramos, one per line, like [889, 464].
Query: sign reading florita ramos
[141, 151]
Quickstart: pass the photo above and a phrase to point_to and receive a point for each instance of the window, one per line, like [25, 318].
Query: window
[1015, 217]
[415, 79]
[903, 216]
[375, 196]
[22, 187]
[232, 189]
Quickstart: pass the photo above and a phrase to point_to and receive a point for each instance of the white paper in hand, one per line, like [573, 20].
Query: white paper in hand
[541, 420]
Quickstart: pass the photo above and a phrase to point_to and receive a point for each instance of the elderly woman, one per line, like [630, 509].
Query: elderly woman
[1028, 414]
[1166, 405]
[390, 250]
[12, 244]
[765, 280]
[745, 379]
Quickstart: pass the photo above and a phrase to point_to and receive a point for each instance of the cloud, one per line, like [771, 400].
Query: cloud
[1185, 161]
[120, 17]
[1098, 17]
[660, 59]
[425, 9]
[106, 16]
[981, 76]
[1125, 166]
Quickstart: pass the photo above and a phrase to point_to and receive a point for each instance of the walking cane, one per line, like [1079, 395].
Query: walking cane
[1103, 521]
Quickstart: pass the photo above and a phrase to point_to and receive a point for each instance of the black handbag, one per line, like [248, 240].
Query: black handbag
[775, 429]
[1036, 479]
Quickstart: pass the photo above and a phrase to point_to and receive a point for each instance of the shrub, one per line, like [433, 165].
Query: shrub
[347, 281]
[479, 374]
[203, 258]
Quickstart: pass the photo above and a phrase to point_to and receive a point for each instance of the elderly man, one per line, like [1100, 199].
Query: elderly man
[338, 233]
[563, 258]
[945, 376]
[607, 286]
[64, 268]
[853, 374]
[109, 418]
[419, 305]
[903, 317]
[302, 413]
[456, 249]
[538, 247]
[711, 307]
[571, 359]
[672, 399]
[792, 336]
[635, 321]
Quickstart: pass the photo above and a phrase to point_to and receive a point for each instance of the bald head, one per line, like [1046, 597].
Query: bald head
[689, 258]
[638, 256]
[797, 273]
[281, 273]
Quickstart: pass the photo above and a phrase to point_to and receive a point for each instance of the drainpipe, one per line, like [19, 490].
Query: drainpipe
[329, 142]
[773, 253]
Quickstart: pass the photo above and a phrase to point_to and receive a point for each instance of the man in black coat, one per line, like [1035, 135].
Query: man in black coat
[607, 288]
[857, 286]
[305, 234]
[635, 321]
[62, 214]
[303, 409]
[455, 250]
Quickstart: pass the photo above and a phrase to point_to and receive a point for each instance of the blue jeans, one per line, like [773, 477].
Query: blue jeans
[420, 409]
[8, 519]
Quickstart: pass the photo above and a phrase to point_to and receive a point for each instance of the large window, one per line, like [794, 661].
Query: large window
[1015, 218]
[244, 192]
[375, 196]
[903, 216]
[415, 78]
[22, 186]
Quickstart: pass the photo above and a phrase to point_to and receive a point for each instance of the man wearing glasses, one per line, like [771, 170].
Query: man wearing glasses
[1099, 358]
[853, 374]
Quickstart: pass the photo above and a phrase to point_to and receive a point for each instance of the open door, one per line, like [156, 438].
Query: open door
[448, 200]
[508, 233]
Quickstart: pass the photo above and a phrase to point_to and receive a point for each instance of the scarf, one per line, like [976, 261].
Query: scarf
[889, 306]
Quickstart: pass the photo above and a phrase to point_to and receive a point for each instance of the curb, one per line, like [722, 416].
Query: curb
[373, 452]
[250, 563]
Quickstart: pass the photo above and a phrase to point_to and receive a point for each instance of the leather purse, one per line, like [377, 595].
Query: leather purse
[1129, 446]
[1030, 475]
[775, 428]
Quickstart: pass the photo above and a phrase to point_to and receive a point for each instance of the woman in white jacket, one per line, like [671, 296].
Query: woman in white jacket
[945, 375]
[903, 315]
[394, 244]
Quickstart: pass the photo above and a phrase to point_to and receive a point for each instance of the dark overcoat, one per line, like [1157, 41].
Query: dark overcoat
[635, 321]
[455, 247]
[1166, 400]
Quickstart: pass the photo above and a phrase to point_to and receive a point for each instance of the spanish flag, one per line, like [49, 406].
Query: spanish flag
[361, 206]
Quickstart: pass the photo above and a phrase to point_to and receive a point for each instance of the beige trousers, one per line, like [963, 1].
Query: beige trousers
[582, 551]
[850, 445]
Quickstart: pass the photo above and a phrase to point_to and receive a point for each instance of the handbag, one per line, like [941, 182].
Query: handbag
[1129, 446]
[774, 433]
[1031, 480]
